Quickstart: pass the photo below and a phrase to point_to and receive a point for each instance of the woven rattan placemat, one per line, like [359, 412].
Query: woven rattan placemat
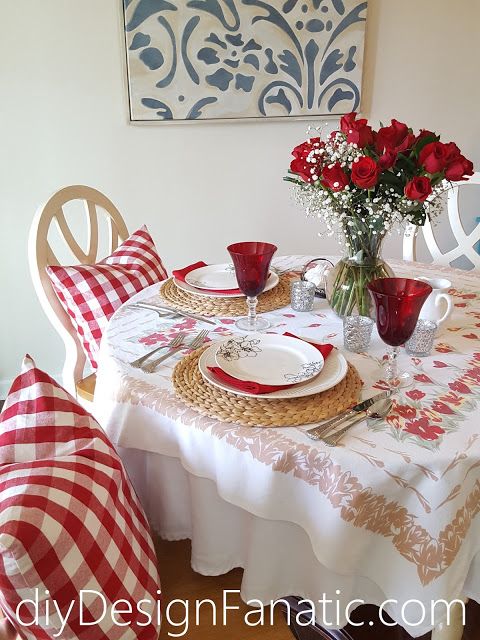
[259, 412]
[276, 298]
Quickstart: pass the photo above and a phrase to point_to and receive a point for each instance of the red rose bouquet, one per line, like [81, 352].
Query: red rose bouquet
[363, 182]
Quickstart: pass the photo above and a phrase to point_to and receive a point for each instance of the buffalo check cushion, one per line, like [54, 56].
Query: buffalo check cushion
[92, 293]
[71, 527]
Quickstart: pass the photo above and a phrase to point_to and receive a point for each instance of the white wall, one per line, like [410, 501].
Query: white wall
[198, 187]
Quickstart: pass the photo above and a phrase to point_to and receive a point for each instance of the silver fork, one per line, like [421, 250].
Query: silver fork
[178, 340]
[194, 344]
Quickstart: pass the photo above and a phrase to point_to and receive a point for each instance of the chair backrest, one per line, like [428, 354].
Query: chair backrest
[41, 255]
[465, 242]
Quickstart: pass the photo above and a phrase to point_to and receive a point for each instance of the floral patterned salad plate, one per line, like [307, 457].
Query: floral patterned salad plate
[213, 276]
[333, 372]
[269, 359]
[272, 282]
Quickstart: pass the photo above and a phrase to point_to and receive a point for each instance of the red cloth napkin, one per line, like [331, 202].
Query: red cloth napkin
[250, 386]
[181, 274]
[325, 349]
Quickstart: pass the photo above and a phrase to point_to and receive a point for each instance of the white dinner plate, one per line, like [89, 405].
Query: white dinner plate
[272, 282]
[333, 372]
[213, 276]
[269, 358]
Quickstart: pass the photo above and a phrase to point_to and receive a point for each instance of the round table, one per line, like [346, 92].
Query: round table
[389, 517]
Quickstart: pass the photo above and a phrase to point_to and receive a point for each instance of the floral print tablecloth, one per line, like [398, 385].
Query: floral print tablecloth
[406, 491]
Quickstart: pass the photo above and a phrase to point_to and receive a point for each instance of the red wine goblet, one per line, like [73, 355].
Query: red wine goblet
[252, 263]
[398, 302]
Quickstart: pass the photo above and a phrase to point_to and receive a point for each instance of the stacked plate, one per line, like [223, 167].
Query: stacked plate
[273, 360]
[217, 280]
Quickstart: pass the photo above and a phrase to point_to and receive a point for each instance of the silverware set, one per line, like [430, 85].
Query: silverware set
[172, 347]
[376, 407]
[196, 343]
[178, 340]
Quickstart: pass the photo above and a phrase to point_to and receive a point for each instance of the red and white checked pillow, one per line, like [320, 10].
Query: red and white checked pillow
[70, 522]
[92, 293]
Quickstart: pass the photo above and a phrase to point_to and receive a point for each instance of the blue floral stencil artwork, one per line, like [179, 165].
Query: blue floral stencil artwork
[211, 59]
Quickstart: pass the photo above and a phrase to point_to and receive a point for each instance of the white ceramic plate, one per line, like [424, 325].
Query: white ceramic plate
[272, 282]
[213, 276]
[269, 359]
[333, 372]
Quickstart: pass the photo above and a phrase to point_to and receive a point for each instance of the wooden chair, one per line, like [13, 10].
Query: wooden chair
[41, 255]
[465, 242]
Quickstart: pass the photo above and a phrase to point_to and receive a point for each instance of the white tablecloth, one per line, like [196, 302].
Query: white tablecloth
[390, 514]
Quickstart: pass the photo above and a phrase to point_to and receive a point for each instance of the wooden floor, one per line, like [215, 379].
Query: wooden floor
[180, 581]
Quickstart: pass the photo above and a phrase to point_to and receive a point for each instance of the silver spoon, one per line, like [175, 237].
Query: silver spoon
[377, 411]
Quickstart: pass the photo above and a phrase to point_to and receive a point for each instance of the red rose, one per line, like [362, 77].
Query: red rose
[387, 159]
[459, 169]
[334, 177]
[365, 172]
[307, 160]
[395, 137]
[424, 133]
[302, 150]
[406, 144]
[358, 132]
[433, 157]
[302, 168]
[452, 152]
[347, 120]
[418, 188]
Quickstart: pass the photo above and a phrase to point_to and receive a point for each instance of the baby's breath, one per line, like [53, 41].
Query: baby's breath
[359, 219]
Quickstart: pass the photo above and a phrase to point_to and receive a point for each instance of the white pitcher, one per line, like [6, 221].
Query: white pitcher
[438, 306]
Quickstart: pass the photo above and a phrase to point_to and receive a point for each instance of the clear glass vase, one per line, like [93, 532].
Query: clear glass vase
[346, 286]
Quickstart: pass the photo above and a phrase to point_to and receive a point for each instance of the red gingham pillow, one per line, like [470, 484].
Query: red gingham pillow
[70, 523]
[91, 294]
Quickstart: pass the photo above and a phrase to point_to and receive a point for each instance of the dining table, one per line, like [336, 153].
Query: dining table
[388, 517]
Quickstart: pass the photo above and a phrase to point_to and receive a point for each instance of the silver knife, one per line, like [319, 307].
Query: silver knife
[316, 433]
[177, 312]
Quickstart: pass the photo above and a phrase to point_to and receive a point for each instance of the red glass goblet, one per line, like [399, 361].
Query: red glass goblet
[398, 302]
[252, 263]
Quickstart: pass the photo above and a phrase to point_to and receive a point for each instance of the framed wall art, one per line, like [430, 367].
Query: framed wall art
[199, 60]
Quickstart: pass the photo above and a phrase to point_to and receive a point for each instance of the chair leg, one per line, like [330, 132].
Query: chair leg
[301, 630]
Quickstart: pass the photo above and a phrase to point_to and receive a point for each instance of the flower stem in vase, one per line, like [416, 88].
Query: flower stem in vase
[347, 282]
